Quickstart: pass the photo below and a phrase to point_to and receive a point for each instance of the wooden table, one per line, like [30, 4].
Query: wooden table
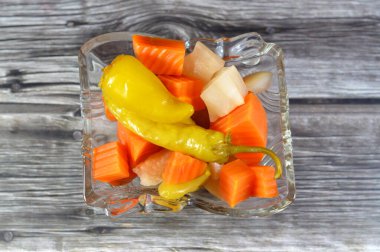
[332, 62]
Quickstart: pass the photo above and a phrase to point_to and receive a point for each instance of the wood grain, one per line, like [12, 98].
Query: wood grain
[336, 207]
[332, 48]
[332, 59]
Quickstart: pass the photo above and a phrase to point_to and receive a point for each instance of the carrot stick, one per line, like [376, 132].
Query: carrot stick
[186, 89]
[138, 149]
[264, 184]
[181, 168]
[161, 56]
[110, 163]
[235, 182]
[247, 125]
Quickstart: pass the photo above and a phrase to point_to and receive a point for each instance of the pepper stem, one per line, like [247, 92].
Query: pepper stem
[253, 149]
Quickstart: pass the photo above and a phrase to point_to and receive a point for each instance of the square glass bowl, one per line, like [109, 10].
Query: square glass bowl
[250, 54]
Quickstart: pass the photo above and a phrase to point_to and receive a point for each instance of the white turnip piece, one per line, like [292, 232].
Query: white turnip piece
[225, 91]
[258, 82]
[202, 63]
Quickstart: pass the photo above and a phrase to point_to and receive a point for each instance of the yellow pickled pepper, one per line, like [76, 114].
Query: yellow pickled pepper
[126, 83]
[176, 191]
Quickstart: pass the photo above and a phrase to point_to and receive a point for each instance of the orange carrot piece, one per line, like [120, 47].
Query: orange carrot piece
[161, 56]
[186, 89]
[235, 182]
[138, 149]
[181, 168]
[247, 125]
[108, 113]
[109, 163]
[264, 184]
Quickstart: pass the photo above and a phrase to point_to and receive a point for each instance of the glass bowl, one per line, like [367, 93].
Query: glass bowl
[249, 53]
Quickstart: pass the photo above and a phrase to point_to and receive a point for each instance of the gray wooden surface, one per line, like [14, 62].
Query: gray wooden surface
[332, 53]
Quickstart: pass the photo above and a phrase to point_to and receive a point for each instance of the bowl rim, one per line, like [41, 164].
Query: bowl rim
[89, 194]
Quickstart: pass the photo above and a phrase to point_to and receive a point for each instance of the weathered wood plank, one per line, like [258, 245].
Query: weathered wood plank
[332, 45]
[332, 51]
[336, 158]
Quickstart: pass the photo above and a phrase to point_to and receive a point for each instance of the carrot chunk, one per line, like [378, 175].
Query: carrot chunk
[181, 168]
[247, 125]
[138, 149]
[110, 163]
[186, 89]
[161, 56]
[264, 184]
[235, 182]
